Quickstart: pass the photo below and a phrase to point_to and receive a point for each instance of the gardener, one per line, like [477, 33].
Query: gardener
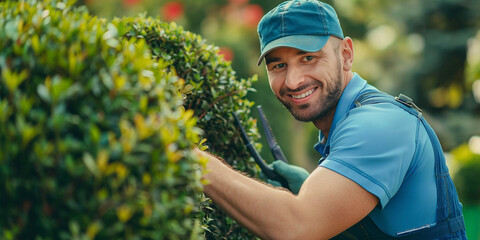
[382, 175]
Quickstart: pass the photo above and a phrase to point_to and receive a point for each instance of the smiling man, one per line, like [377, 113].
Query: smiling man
[383, 174]
[309, 84]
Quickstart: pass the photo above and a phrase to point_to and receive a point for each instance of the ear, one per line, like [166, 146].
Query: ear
[347, 53]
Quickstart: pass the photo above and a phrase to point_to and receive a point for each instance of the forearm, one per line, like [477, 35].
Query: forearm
[255, 205]
[327, 204]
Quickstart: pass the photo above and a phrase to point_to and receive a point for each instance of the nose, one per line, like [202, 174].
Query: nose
[294, 78]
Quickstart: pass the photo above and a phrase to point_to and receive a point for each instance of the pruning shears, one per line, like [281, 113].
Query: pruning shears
[272, 143]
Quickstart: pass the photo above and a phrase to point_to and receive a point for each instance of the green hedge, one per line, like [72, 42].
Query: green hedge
[95, 143]
[97, 126]
[215, 94]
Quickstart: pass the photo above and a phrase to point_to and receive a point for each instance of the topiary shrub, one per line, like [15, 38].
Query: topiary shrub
[215, 94]
[94, 137]
[94, 141]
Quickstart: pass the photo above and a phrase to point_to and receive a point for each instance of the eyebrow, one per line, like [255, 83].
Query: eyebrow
[269, 60]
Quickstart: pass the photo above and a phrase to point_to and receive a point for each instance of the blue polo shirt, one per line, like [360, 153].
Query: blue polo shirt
[386, 151]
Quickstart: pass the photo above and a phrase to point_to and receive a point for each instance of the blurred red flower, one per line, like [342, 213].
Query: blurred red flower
[226, 52]
[252, 14]
[172, 11]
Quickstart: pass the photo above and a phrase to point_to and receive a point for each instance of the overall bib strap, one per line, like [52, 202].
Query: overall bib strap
[449, 218]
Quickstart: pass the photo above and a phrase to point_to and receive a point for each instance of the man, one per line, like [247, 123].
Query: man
[382, 175]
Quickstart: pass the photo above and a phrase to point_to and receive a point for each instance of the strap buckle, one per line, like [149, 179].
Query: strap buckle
[405, 100]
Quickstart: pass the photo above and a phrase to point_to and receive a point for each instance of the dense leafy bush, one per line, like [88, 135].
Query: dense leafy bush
[94, 137]
[94, 141]
[215, 94]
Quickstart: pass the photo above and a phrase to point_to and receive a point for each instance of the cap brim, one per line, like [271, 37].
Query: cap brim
[307, 43]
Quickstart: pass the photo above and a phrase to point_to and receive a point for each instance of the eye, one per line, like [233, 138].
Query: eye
[308, 58]
[279, 66]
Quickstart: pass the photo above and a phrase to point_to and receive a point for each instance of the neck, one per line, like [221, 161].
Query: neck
[324, 123]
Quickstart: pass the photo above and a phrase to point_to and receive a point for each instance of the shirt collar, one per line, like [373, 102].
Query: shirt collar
[344, 105]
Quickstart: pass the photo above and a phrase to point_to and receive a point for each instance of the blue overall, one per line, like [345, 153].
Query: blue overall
[449, 220]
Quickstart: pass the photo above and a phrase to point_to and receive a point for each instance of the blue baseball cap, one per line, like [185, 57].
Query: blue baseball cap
[301, 24]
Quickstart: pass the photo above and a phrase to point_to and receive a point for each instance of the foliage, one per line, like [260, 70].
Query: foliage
[214, 93]
[466, 177]
[95, 142]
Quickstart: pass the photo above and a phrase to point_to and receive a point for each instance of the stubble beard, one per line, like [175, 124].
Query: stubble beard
[322, 107]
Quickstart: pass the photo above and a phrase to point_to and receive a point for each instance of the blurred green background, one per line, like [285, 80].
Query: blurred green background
[428, 50]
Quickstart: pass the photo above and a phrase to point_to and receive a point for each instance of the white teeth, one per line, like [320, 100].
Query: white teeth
[303, 95]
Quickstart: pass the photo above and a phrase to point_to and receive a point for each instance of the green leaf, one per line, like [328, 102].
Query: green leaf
[90, 164]
[43, 93]
[12, 79]
[5, 111]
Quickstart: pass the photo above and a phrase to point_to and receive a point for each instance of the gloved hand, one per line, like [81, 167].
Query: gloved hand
[294, 175]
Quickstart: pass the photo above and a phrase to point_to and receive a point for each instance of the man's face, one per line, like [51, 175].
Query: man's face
[309, 84]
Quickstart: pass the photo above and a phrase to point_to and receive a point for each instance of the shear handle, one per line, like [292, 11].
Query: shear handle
[267, 170]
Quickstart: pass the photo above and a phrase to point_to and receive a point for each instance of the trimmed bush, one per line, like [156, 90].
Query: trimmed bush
[95, 143]
[97, 123]
[215, 94]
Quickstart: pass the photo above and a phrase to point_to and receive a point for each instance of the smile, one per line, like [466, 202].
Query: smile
[303, 95]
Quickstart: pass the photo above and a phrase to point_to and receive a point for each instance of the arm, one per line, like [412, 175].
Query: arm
[327, 204]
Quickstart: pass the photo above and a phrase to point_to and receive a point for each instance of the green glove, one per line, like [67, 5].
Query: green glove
[294, 175]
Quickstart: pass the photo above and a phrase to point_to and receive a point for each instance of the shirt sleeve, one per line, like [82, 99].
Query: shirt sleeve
[374, 146]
